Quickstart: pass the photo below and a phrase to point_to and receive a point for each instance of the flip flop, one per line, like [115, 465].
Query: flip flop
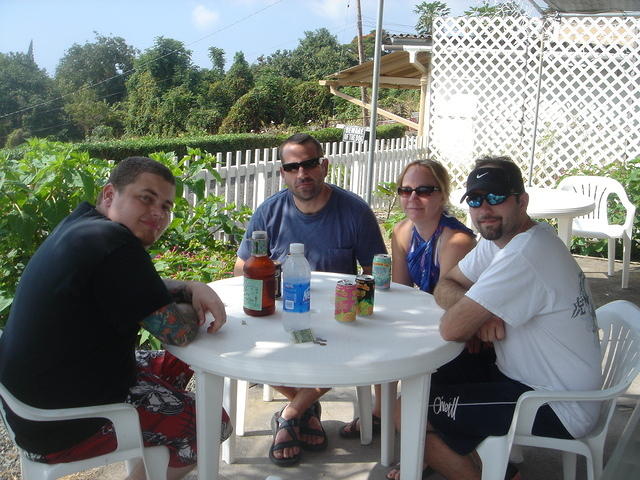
[278, 423]
[314, 410]
[351, 430]
[427, 471]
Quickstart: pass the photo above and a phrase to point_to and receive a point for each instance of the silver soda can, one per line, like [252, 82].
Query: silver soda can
[382, 270]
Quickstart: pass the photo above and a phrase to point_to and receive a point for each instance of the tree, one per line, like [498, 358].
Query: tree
[319, 54]
[427, 11]
[142, 103]
[368, 43]
[505, 9]
[100, 64]
[27, 98]
[87, 111]
[240, 70]
[168, 62]
[216, 55]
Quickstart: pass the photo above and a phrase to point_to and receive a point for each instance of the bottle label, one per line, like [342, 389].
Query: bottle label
[296, 297]
[253, 293]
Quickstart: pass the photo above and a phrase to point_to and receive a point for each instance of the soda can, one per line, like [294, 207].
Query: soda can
[366, 293]
[382, 270]
[278, 275]
[346, 300]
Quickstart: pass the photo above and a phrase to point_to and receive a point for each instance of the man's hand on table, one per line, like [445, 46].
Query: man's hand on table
[205, 300]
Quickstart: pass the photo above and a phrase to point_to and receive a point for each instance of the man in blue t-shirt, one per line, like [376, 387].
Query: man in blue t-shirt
[339, 231]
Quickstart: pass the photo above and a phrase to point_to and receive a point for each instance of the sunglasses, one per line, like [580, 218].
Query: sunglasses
[421, 191]
[307, 164]
[475, 200]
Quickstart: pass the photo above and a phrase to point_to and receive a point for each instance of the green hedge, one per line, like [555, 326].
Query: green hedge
[118, 149]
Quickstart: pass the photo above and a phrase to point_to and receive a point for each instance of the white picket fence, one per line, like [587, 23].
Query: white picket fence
[251, 176]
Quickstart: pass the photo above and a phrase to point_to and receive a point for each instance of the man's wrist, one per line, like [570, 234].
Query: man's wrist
[180, 292]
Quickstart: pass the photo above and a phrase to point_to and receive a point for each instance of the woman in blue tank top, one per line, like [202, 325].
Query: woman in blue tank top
[426, 244]
[430, 240]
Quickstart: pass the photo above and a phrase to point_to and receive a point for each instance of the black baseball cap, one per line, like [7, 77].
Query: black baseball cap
[504, 178]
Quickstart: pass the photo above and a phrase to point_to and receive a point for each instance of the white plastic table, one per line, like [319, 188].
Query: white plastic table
[548, 203]
[400, 341]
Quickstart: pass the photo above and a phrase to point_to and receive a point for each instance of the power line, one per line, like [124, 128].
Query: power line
[127, 72]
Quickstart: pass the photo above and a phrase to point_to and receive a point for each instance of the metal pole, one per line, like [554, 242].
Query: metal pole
[374, 102]
[537, 109]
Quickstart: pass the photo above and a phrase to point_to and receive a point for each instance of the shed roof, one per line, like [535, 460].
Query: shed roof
[396, 71]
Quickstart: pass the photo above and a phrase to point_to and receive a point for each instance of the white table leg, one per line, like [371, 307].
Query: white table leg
[209, 391]
[230, 404]
[387, 430]
[564, 229]
[415, 395]
[364, 409]
[241, 407]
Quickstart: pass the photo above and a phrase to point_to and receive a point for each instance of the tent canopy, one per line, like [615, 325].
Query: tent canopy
[592, 7]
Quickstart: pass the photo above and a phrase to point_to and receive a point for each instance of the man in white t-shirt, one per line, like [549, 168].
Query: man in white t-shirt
[520, 289]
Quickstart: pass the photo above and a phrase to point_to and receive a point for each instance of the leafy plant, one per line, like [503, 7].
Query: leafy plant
[393, 214]
[36, 192]
[50, 179]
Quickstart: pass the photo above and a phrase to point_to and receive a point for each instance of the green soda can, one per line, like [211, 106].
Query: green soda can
[382, 271]
[366, 292]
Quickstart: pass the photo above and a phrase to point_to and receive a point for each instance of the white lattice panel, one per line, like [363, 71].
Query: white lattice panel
[486, 73]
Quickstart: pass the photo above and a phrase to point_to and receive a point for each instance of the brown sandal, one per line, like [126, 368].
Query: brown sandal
[351, 430]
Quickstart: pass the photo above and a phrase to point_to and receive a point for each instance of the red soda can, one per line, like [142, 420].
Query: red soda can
[382, 270]
[346, 300]
[366, 292]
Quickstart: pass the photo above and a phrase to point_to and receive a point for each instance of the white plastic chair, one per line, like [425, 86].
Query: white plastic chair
[596, 224]
[619, 322]
[127, 427]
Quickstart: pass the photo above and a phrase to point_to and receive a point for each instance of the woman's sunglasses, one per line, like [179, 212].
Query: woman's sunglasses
[421, 191]
[307, 164]
[475, 200]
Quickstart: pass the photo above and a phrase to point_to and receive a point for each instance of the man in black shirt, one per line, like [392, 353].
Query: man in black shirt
[71, 334]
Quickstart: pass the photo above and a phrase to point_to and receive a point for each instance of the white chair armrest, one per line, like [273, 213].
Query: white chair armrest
[529, 403]
[123, 416]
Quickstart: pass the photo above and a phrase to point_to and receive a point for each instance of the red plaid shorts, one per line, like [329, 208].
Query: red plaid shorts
[167, 414]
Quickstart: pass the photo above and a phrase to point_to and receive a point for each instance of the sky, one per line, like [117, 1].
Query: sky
[255, 27]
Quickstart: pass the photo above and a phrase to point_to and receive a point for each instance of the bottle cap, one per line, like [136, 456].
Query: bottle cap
[259, 235]
[296, 248]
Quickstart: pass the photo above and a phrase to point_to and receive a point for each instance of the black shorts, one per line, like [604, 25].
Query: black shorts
[471, 399]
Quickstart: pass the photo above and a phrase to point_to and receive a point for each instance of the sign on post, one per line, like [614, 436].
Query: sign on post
[354, 133]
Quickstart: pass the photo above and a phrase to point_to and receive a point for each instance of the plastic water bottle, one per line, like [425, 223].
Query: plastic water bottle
[296, 290]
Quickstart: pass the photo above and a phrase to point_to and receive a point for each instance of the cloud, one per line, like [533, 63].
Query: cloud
[333, 9]
[204, 18]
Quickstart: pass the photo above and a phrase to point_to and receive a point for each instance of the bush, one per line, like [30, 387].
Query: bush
[628, 174]
[119, 149]
[16, 137]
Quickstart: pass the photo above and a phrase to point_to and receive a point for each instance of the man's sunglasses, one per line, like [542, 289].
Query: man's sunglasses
[307, 164]
[421, 191]
[475, 200]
